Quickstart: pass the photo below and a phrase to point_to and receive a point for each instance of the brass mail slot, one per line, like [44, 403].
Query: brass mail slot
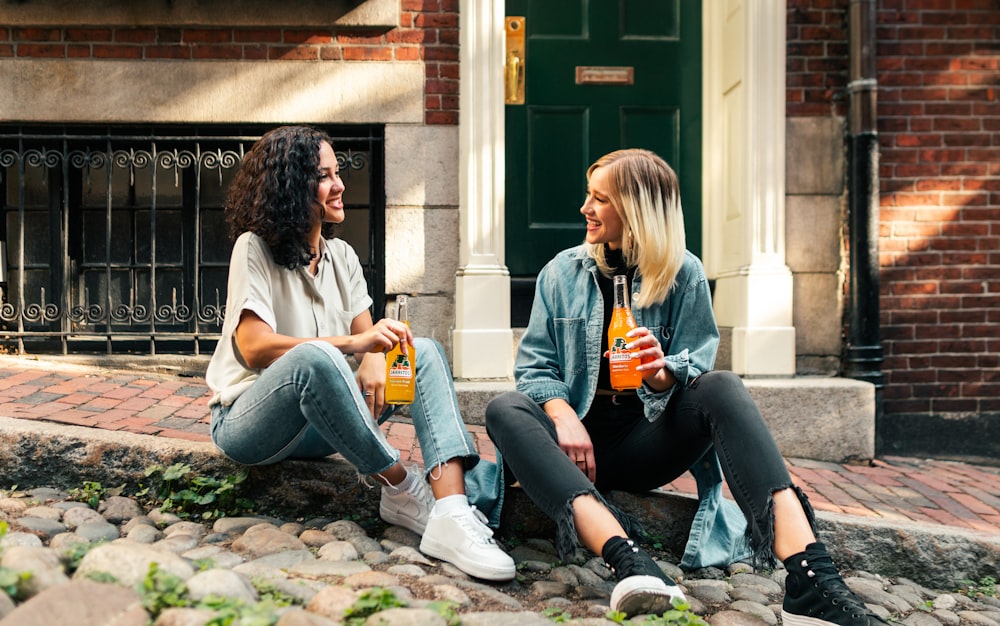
[604, 75]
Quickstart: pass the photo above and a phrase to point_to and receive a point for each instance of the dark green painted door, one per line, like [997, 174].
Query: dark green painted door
[564, 126]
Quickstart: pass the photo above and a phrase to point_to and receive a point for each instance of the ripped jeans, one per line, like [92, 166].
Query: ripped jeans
[308, 405]
[634, 454]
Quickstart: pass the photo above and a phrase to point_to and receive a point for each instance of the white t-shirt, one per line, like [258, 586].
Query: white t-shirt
[291, 302]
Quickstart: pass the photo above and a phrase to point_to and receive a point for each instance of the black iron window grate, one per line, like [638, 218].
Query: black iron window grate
[113, 239]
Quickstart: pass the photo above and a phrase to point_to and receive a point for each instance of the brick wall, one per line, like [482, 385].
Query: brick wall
[428, 32]
[939, 110]
[816, 65]
[939, 135]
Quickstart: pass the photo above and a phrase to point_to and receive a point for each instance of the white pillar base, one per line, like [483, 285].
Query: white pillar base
[482, 341]
[763, 351]
[757, 306]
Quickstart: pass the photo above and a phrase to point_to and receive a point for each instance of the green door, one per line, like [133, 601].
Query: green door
[579, 106]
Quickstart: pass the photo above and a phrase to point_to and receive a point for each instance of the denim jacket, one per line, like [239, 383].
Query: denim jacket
[560, 353]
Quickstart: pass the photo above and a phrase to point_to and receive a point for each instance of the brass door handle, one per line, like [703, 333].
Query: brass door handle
[513, 75]
[512, 80]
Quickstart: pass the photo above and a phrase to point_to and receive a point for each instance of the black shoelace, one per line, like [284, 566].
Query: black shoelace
[828, 582]
[629, 562]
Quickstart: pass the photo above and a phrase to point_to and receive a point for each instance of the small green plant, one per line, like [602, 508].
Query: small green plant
[162, 590]
[556, 614]
[446, 609]
[267, 591]
[73, 555]
[228, 611]
[987, 586]
[370, 602]
[12, 582]
[187, 494]
[680, 615]
[89, 493]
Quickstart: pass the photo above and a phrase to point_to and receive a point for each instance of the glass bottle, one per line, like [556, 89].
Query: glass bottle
[621, 361]
[401, 367]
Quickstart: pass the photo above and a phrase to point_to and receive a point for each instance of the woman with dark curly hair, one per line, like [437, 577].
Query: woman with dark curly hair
[282, 386]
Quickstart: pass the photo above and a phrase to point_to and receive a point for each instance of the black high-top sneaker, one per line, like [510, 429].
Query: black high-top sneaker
[643, 588]
[816, 595]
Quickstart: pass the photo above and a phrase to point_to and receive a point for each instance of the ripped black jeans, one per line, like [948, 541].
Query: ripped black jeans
[634, 454]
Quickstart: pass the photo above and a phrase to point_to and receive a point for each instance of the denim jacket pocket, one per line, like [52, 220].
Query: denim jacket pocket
[662, 334]
[571, 341]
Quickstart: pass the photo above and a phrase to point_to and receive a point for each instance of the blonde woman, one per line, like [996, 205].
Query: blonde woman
[567, 436]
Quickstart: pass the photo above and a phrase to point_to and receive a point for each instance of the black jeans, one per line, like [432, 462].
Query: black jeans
[634, 454]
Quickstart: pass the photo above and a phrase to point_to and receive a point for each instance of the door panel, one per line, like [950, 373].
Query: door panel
[564, 126]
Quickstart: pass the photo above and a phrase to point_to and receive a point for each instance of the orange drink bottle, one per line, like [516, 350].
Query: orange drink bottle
[400, 367]
[621, 362]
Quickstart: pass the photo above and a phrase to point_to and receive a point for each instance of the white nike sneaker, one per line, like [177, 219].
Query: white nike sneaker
[464, 539]
[408, 508]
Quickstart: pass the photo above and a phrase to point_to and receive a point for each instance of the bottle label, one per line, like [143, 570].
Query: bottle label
[618, 351]
[400, 368]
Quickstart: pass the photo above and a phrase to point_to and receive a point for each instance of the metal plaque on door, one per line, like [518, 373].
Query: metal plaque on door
[605, 75]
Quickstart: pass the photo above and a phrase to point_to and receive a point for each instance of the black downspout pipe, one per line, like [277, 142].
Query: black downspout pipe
[863, 357]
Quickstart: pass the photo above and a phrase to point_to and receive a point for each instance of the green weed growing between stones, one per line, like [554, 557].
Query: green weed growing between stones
[370, 602]
[681, 615]
[162, 590]
[446, 609]
[187, 494]
[73, 555]
[11, 581]
[556, 614]
[987, 586]
[91, 492]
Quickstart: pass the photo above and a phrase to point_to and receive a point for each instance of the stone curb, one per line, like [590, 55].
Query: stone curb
[34, 454]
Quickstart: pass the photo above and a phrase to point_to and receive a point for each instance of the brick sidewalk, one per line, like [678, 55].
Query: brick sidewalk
[949, 493]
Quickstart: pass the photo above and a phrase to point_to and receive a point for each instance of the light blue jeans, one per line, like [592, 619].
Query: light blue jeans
[307, 404]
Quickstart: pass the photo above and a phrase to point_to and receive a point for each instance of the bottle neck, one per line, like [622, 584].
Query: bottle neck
[401, 312]
[621, 293]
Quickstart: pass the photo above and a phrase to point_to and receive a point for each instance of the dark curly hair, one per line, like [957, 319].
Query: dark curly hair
[274, 193]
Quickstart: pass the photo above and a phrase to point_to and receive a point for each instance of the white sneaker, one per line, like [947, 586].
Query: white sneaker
[463, 539]
[408, 508]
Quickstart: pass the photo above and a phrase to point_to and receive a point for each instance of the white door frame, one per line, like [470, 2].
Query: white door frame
[743, 104]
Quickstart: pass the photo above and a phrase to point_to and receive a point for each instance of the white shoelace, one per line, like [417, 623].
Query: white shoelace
[476, 522]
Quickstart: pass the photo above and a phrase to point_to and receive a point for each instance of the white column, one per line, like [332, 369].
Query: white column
[482, 340]
[744, 182]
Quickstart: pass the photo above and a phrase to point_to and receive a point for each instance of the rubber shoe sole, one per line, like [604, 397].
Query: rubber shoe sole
[791, 619]
[644, 595]
[466, 563]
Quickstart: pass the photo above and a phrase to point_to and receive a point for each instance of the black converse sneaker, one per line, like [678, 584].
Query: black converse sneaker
[816, 595]
[643, 588]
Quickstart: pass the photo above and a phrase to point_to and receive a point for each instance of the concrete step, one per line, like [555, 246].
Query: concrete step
[820, 418]
[812, 417]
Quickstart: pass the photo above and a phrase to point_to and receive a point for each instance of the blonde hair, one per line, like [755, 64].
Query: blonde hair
[645, 194]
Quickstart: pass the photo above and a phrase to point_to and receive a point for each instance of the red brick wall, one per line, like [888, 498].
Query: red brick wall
[428, 31]
[939, 125]
[939, 135]
[816, 64]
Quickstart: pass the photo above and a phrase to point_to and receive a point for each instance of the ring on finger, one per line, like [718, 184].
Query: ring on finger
[369, 393]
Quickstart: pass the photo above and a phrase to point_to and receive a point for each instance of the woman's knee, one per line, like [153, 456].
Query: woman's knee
[721, 383]
[427, 347]
[316, 355]
[505, 408]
